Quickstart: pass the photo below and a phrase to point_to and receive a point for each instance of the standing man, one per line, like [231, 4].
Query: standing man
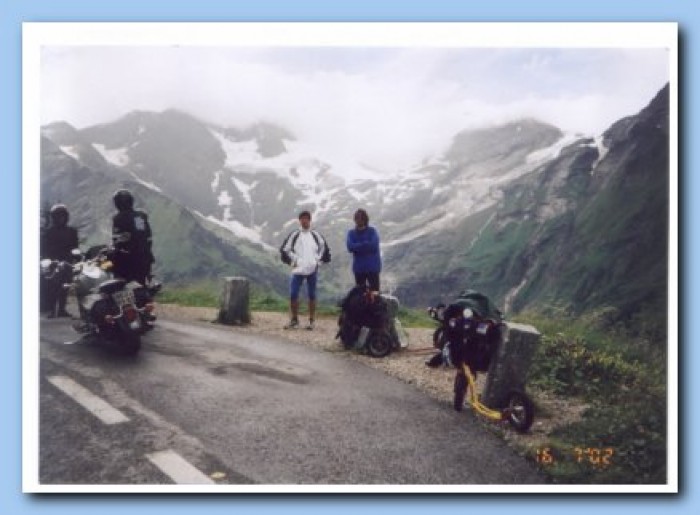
[304, 250]
[57, 243]
[132, 239]
[363, 243]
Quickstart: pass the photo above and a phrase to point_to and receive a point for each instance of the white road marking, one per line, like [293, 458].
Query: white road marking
[178, 468]
[106, 413]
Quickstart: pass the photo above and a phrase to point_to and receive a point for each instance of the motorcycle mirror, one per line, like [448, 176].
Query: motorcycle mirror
[467, 313]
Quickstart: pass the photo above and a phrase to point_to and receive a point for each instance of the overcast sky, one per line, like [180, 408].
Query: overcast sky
[385, 106]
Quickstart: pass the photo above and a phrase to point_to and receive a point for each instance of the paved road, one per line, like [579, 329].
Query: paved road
[209, 404]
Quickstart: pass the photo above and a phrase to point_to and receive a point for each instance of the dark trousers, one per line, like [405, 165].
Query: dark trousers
[132, 267]
[53, 288]
[370, 279]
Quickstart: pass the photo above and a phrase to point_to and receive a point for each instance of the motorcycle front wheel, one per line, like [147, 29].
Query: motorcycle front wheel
[439, 338]
[520, 411]
[460, 390]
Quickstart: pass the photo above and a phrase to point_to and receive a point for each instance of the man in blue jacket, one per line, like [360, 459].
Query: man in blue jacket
[363, 243]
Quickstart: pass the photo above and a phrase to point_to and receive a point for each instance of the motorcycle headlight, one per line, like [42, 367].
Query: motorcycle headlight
[467, 313]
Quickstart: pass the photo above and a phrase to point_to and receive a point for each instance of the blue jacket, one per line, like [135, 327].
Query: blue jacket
[364, 246]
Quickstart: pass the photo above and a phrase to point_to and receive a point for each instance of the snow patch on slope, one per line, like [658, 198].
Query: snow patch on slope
[71, 150]
[116, 156]
[149, 185]
[239, 230]
[551, 152]
[244, 189]
[602, 151]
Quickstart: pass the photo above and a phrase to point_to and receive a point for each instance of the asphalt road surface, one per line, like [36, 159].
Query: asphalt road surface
[203, 404]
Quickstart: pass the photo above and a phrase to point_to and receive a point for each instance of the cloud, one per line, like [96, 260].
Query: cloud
[386, 107]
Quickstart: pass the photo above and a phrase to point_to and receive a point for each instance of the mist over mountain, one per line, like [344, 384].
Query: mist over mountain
[532, 216]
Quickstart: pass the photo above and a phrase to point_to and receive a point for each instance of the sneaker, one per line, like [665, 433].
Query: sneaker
[293, 324]
[310, 326]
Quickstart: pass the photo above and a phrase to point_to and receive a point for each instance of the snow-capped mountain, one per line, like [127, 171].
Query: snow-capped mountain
[437, 219]
[255, 180]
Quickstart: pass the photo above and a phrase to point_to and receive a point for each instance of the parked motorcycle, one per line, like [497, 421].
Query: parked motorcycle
[469, 333]
[369, 323]
[111, 308]
[479, 304]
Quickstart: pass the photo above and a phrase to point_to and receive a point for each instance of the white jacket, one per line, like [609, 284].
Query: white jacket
[305, 252]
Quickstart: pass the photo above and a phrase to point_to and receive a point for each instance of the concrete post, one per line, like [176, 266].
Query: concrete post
[510, 364]
[234, 304]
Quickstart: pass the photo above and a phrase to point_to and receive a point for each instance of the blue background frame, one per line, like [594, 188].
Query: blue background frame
[12, 500]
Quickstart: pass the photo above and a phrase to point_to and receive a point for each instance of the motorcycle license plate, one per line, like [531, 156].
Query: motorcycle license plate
[482, 328]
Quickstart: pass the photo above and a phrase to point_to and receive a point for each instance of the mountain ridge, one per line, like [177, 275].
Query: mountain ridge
[498, 210]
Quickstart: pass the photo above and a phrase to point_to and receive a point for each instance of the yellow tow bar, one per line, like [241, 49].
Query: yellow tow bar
[474, 397]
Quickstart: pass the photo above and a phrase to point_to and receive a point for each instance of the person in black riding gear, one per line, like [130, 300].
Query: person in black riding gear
[132, 240]
[57, 244]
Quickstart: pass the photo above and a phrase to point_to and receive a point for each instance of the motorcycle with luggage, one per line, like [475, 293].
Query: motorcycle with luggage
[368, 322]
[467, 338]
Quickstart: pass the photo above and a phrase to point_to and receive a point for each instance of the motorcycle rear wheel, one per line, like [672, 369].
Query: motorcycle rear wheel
[130, 343]
[378, 344]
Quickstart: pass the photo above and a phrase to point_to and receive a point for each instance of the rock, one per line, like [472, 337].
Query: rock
[234, 305]
[511, 363]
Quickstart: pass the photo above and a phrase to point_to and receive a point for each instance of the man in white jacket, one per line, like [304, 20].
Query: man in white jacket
[304, 249]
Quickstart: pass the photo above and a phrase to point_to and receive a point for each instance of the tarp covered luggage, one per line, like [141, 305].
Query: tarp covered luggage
[363, 316]
[475, 340]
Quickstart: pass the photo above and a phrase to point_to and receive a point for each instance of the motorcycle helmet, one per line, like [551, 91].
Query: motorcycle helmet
[123, 200]
[59, 215]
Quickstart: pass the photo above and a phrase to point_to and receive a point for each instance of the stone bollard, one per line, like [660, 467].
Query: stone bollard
[510, 364]
[234, 304]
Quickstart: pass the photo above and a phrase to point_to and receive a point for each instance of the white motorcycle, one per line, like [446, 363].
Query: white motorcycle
[110, 308]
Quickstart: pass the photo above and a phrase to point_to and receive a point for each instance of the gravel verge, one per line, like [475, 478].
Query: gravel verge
[407, 365]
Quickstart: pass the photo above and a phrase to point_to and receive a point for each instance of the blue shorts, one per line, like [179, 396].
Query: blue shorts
[295, 286]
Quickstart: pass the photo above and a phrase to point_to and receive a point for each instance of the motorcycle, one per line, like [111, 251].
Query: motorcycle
[468, 336]
[481, 307]
[111, 308]
[369, 323]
